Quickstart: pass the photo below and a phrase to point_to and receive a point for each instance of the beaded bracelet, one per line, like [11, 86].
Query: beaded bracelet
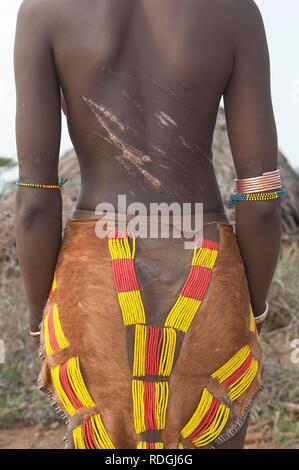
[266, 196]
[60, 184]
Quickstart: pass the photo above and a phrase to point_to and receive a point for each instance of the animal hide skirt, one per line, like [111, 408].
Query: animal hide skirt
[148, 345]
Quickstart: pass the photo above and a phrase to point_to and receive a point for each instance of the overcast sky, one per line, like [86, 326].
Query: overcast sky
[281, 18]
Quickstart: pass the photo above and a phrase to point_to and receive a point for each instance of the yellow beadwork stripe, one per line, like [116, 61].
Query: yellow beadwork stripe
[201, 410]
[139, 351]
[144, 445]
[181, 446]
[167, 351]
[54, 283]
[48, 347]
[205, 257]
[77, 383]
[131, 306]
[138, 405]
[55, 373]
[237, 389]
[232, 365]
[78, 436]
[120, 248]
[100, 434]
[252, 326]
[162, 395]
[60, 336]
[182, 313]
[215, 427]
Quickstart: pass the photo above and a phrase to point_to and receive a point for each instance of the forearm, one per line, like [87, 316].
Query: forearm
[38, 236]
[258, 231]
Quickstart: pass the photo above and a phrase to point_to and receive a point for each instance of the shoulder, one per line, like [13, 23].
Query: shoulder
[246, 16]
[245, 23]
[33, 8]
[38, 18]
[39, 11]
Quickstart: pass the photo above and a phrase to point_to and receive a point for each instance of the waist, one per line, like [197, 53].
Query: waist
[161, 217]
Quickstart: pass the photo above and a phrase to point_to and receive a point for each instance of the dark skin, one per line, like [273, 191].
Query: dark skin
[142, 81]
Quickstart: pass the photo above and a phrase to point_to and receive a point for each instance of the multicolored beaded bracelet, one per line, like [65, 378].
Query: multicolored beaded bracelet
[60, 184]
[265, 196]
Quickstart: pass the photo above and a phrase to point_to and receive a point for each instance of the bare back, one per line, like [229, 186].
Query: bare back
[142, 86]
[142, 83]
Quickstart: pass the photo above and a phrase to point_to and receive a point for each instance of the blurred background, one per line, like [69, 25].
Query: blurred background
[25, 420]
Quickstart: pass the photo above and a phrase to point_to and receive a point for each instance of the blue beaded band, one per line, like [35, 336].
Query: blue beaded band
[265, 196]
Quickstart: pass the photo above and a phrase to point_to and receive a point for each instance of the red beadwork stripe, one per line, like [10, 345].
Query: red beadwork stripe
[114, 234]
[154, 339]
[51, 295]
[197, 282]
[240, 371]
[52, 337]
[67, 387]
[124, 275]
[149, 405]
[88, 435]
[210, 244]
[150, 445]
[206, 420]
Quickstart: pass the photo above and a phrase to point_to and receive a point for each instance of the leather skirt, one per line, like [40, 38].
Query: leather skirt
[146, 344]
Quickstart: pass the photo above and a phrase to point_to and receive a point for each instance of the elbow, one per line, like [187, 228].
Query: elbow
[32, 206]
[260, 212]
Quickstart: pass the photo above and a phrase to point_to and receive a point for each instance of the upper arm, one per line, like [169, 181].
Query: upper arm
[247, 98]
[38, 115]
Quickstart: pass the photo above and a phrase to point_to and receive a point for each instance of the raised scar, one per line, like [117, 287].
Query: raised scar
[129, 153]
[166, 119]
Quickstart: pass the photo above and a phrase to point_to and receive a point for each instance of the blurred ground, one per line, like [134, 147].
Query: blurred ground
[34, 437]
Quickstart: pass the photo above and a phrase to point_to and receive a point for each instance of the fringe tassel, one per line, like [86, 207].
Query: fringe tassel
[119, 246]
[69, 384]
[206, 255]
[55, 339]
[167, 352]
[139, 351]
[195, 287]
[150, 401]
[78, 437]
[154, 339]
[132, 307]
[154, 349]
[138, 405]
[92, 435]
[100, 434]
[162, 394]
[182, 313]
[244, 382]
[207, 422]
[126, 283]
[238, 373]
[150, 445]
[224, 372]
